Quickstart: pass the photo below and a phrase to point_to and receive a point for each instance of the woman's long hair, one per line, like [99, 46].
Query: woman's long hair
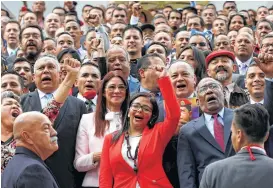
[126, 120]
[101, 108]
[200, 71]
[70, 51]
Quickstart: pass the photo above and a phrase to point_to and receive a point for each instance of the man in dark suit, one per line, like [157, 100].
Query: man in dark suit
[46, 72]
[36, 140]
[206, 139]
[250, 167]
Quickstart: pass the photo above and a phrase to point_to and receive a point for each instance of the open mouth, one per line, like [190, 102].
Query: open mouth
[181, 86]
[211, 99]
[89, 86]
[15, 113]
[138, 117]
[46, 79]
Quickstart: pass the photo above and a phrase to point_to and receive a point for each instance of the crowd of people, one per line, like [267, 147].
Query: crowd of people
[102, 98]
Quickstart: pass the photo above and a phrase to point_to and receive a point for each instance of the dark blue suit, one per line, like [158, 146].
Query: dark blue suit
[197, 148]
[26, 169]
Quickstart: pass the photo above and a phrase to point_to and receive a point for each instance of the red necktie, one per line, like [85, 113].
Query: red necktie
[219, 132]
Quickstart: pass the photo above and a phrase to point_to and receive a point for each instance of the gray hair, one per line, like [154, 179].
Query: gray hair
[47, 57]
[10, 94]
[117, 47]
[181, 62]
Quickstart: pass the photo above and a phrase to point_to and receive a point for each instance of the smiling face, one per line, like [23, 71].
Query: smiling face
[46, 75]
[132, 41]
[114, 92]
[10, 109]
[255, 82]
[210, 95]
[236, 23]
[88, 79]
[140, 112]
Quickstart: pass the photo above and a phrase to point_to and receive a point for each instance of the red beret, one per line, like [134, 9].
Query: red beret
[218, 53]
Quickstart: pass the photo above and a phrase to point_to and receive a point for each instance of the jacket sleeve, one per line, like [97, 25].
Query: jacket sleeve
[35, 176]
[83, 158]
[172, 109]
[185, 162]
[106, 176]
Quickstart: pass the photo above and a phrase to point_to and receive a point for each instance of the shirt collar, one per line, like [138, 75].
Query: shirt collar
[94, 100]
[253, 102]
[11, 50]
[246, 62]
[221, 113]
[141, 89]
[230, 87]
[42, 94]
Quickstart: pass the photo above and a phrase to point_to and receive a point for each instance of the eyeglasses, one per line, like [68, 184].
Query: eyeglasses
[113, 88]
[212, 86]
[202, 44]
[137, 106]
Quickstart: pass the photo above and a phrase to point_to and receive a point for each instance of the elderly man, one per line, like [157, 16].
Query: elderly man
[250, 129]
[263, 27]
[36, 140]
[46, 77]
[243, 49]
[206, 139]
[222, 42]
[220, 67]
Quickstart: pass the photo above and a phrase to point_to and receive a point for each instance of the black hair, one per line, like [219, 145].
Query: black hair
[48, 38]
[135, 28]
[265, 20]
[176, 11]
[100, 9]
[168, 6]
[86, 5]
[160, 44]
[119, 9]
[243, 18]
[63, 33]
[22, 59]
[31, 26]
[261, 7]
[126, 123]
[191, 9]
[159, 16]
[6, 12]
[59, 8]
[253, 119]
[15, 22]
[71, 51]
[202, 23]
[20, 78]
[229, 2]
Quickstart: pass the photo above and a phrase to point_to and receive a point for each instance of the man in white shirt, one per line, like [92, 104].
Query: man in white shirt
[11, 35]
[244, 48]
[255, 84]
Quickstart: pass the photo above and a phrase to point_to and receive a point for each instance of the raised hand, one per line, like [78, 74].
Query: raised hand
[161, 71]
[136, 9]
[265, 62]
[71, 66]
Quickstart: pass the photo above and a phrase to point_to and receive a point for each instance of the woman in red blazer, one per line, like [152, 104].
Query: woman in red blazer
[132, 157]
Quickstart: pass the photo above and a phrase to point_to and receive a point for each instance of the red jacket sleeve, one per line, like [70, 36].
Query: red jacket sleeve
[106, 176]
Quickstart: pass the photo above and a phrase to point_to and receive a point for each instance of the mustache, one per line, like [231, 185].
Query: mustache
[31, 44]
[53, 139]
[221, 68]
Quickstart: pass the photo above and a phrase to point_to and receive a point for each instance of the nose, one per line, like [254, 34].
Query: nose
[53, 132]
[22, 72]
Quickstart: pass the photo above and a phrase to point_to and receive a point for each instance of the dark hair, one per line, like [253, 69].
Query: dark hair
[160, 44]
[101, 108]
[210, 4]
[200, 71]
[243, 18]
[176, 11]
[253, 119]
[86, 5]
[265, 37]
[202, 23]
[126, 122]
[6, 12]
[31, 26]
[159, 16]
[261, 7]
[129, 27]
[191, 9]
[119, 9]
[79, 25]
[145, 61]
[63, 33]
[22, 59]
[59, 8]
[100, 9]
[71, 51]
[15, 22]
[20, 78]
[202, 35]
[48, 38]
[229, 2]
[168, 6]
[89, 31]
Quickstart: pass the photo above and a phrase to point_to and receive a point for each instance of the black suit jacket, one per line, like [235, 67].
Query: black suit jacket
[66, 125]
[26, 169]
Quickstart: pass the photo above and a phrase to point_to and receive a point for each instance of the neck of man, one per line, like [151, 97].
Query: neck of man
[208, 26]
[146, 85]
[243, 58]
[77, 44]
[257, 97]
[226, 82]
[51, 34]
[136, 55]
[31, 148]
[260, 145]
[13, 46]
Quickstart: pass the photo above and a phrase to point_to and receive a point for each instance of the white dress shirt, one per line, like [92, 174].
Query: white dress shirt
[11, 51]
[43, 99]
[253, 102]
[87, 144]
[209, 121]
[240, 65]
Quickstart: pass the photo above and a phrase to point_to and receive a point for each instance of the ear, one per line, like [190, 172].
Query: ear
[26, 138]
[76, 83]
[141, 73]
[195, 81]
[209, 73]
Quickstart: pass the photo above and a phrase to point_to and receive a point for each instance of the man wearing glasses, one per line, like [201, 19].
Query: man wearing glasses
[206, 139]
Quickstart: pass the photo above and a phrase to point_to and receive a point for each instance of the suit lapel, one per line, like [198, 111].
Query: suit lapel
[228, 116]
[34, 101]
[202, 129]
[61, 114]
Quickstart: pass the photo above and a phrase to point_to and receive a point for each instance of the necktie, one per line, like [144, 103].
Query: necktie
[47, 99]
[244, 68]
[89, 104]
[219, 132]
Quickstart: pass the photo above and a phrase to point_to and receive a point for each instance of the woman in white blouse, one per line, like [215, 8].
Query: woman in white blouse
[112, 103]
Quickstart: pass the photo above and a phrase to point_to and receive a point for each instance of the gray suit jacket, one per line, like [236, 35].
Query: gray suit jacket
[66, 125]
[197, 148]
[240, 172]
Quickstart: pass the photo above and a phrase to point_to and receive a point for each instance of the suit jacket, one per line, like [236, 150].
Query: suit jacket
[66, 125]
[197, 148]
[115, 171]
[268, 102]
[26, 169]
[239, 171]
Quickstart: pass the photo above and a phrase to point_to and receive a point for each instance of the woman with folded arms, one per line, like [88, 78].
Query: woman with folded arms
[112, 103]
[11, 108]
[132, 157]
